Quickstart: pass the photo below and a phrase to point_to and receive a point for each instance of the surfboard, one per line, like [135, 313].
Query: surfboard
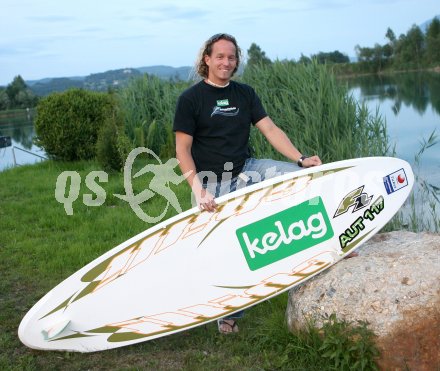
[197, 267]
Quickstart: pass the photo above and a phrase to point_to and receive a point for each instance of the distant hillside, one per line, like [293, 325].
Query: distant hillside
[105, 80]
[167, 72]
[47, 86]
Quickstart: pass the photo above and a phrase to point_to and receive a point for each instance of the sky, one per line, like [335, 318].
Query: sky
[63, 38]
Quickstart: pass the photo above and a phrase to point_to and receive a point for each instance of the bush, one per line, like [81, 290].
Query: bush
[67, 123]
[347, 346]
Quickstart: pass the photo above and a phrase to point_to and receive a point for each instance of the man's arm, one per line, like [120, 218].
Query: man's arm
[186, 162]
[281, 142]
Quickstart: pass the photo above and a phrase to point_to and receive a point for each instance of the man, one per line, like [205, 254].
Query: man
[212, 125]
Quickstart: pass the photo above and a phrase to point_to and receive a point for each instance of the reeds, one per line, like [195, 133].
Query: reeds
[149, 104]
[421, 212]
[306, 101]
[316, 112]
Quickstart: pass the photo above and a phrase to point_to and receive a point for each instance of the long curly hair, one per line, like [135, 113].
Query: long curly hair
[201, 66]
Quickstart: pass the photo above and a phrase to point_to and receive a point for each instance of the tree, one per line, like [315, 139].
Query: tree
[410, 48]
[390, 47]
[433, 42]
[378, 57]
[4, 100]
[256, 56]
[13, 89]
[304, 59]
[387, 52]
[364, 54]
[18, 95]
[366, 58]
[390, 35]
[331, 57]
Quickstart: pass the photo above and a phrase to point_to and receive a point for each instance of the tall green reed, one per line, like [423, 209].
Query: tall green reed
[149, 104]
[421, 212]
[315, 111]
[306, 101]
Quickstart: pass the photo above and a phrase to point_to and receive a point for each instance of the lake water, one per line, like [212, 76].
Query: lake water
[20, 128]
[410, 104]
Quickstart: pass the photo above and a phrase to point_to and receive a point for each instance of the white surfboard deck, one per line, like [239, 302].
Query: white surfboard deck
[198, 266]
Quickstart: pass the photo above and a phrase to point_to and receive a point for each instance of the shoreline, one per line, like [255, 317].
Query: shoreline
[435, 69]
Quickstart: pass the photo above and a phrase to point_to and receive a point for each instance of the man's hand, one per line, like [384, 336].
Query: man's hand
[311, 161]
[205, 200]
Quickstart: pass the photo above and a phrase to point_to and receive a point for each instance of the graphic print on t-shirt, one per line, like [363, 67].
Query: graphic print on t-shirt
[221, 109]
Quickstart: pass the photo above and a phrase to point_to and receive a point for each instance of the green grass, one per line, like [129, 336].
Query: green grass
[40, 246]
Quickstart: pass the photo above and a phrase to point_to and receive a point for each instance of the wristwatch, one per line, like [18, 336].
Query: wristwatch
[300, 161]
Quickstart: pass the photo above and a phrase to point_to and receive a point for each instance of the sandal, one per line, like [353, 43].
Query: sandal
[230, 325]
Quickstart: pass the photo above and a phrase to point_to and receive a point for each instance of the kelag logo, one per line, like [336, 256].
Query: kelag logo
[284, 234]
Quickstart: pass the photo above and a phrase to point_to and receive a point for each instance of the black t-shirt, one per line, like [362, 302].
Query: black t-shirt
[219, 121]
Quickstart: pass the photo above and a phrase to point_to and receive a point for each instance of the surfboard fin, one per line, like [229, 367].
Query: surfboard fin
[54, 330]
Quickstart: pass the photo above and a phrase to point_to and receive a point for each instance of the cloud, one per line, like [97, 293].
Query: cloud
[9, 50]
[51, 18]
[91, 29]
[174, 13]
[126, 37]
[28, 50]
[289, 7]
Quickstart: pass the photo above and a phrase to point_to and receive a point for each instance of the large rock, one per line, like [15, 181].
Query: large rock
[394, 284]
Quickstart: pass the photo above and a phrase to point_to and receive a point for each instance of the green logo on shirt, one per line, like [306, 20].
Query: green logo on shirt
[223, 103]
[284, 234]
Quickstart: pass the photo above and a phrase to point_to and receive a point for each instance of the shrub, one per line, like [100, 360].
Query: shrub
[347, 346]
[67, 123]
